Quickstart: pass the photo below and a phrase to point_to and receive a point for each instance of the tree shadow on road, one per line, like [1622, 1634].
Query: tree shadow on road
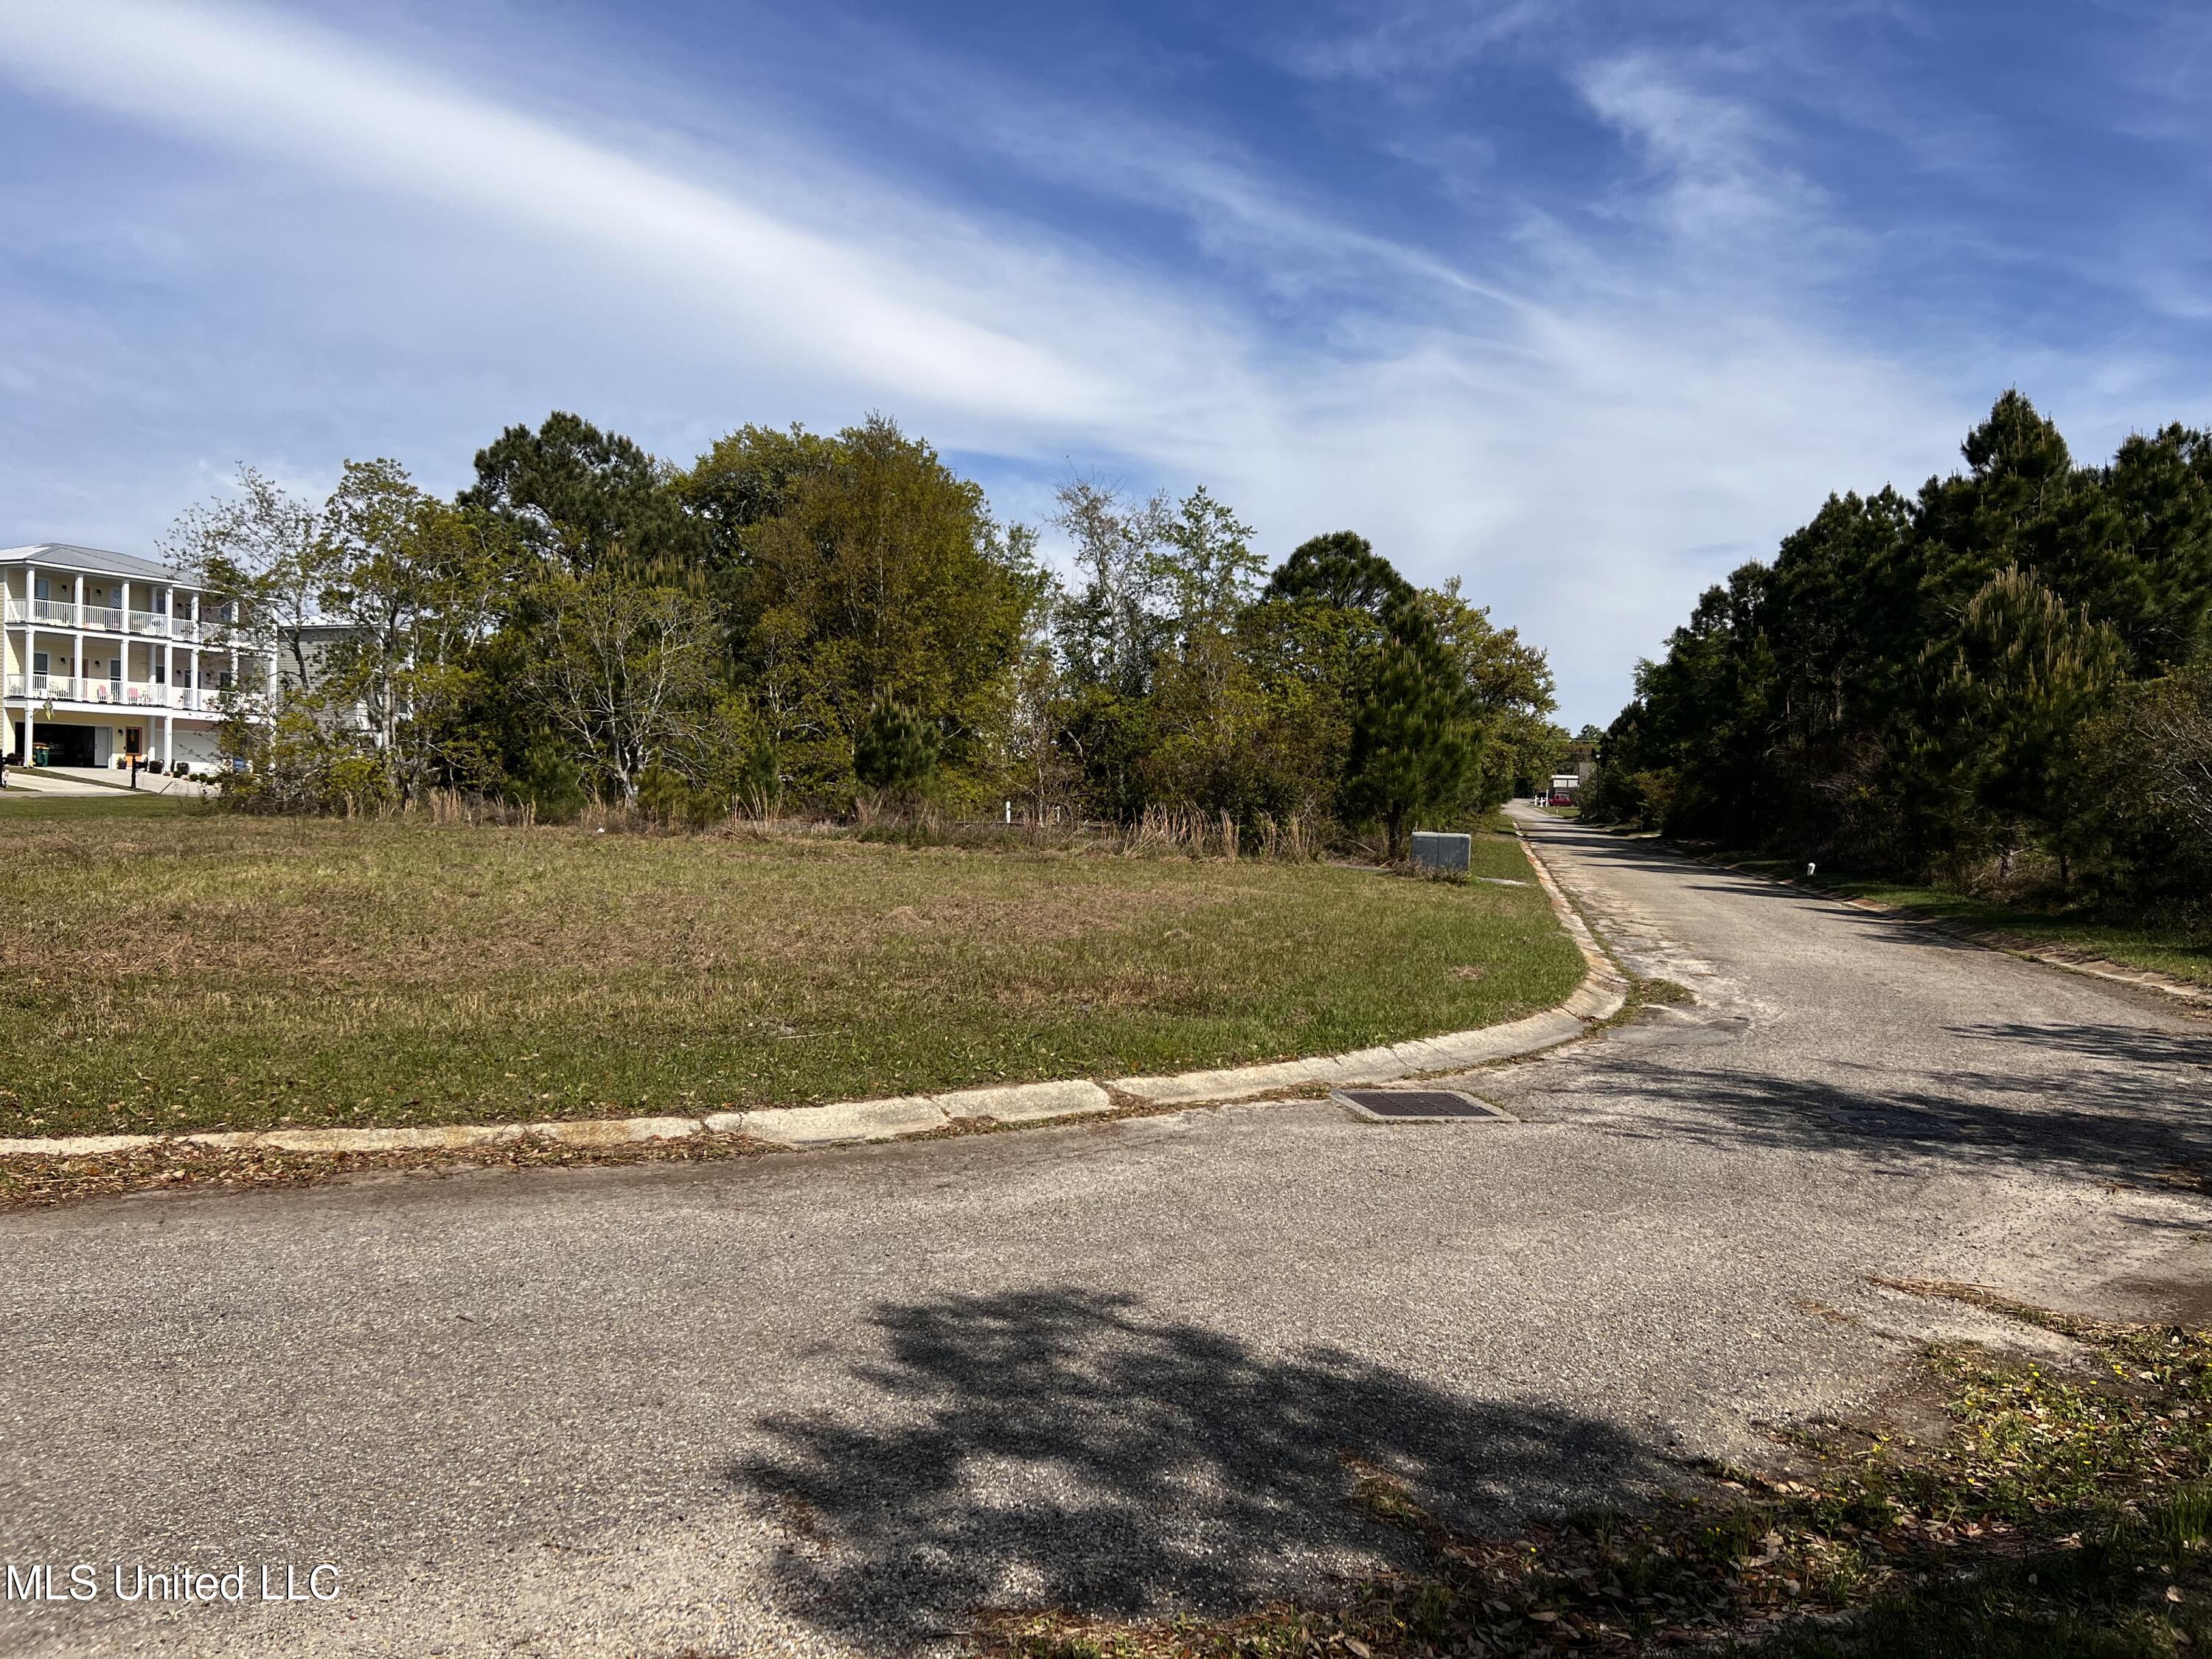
[2130, 1045]
[2140, 1110]
[1064, 1447]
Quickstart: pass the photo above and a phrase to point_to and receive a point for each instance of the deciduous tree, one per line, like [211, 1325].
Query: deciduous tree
[626, 671]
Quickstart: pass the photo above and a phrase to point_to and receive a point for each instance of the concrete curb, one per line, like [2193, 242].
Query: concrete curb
[1601, 995]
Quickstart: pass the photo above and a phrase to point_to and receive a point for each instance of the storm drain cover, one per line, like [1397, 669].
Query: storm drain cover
[1419, 1106]
[1896, 1120]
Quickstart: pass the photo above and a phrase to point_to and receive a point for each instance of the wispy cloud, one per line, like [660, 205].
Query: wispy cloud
[299, 97]
[1394, 44]
[1587, 409]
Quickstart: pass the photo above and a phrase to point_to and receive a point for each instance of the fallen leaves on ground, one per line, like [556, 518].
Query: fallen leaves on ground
[2097, 1466]
[172, 1165]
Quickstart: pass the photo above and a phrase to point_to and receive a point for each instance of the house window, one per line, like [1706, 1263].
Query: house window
[38, 663]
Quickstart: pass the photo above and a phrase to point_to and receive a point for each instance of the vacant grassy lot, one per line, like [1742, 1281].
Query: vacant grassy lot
[165, 966]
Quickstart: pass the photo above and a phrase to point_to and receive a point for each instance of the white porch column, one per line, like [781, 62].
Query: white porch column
[168, 743]
[30, 729]
[126, 623]
[76, 663]
[78, 601]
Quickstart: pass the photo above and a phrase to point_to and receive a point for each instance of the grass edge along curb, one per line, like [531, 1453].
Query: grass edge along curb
[1603, 993]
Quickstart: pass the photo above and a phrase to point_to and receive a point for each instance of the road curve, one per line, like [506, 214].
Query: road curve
[835, 1403]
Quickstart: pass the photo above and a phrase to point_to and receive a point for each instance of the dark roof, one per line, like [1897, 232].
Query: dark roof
[68, 556]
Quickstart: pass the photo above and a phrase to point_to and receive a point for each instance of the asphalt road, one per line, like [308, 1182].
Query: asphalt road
[835, 1402]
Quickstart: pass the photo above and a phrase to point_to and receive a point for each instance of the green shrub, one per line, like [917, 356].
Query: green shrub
[896, 754]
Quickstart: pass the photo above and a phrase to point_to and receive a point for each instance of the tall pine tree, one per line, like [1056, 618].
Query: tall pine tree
[1415, 733]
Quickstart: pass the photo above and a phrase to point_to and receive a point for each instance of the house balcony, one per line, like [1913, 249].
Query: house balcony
[58, 613]
[77, 692]
[62, 616]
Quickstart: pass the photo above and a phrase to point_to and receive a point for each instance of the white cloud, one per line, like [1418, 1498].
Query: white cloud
[1717, 181]
[300, 97]
[1418, 41]
[1587, 442]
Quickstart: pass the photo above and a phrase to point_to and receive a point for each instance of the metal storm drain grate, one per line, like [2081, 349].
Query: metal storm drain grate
[1420, 1106]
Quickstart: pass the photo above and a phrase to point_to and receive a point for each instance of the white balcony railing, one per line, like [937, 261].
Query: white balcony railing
[112, 619]
[131, 693]
[128, 693]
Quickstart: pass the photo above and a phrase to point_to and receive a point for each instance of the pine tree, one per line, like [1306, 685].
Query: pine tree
[895, 753]
[1415, 739]
[2028, 671]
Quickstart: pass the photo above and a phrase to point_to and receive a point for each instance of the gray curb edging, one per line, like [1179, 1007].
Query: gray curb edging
[1601, 996]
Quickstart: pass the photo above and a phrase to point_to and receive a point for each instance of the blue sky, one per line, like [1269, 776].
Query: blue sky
[1582, 302]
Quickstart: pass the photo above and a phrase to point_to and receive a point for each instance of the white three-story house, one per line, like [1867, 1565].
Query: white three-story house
[106, 656]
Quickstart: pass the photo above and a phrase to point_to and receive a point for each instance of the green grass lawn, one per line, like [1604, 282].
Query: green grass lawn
[2172, 946]
[19, 805]
[166, 966]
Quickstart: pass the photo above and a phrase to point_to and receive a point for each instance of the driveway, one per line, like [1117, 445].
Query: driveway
[27, 785]
[832, 1403]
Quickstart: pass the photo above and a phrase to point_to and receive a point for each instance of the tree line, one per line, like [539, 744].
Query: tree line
[2002, 680]
[801, 623]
